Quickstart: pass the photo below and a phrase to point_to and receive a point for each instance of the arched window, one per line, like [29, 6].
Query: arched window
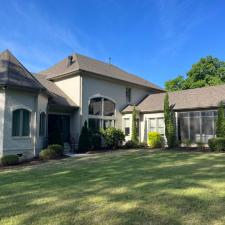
[21, 122]
[42, 124]
[101, 113]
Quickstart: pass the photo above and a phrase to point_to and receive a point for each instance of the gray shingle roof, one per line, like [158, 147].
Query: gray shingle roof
[83, 63]
[14, 74]
[207, 97]
[58, 97]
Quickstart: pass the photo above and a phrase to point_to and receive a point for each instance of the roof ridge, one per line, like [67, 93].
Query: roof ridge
[191, 89]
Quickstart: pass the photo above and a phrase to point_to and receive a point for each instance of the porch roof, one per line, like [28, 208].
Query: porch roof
[199, 98]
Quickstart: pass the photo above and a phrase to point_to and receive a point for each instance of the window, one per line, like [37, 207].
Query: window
[196, 126]
[42, 124]
[109, 107]
[101, 113]
[156, 124]
[21, 122]
[95, 106]
[152, 125]
[160, 126]
[127, 126]
[94, 124]
[128, 95]
[108, 123]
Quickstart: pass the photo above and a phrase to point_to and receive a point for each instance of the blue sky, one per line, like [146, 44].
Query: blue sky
[156, 39]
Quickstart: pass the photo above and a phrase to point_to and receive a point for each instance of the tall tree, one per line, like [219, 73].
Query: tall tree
[169, 118]
[134, 135]
[220, 123]
[206, 72]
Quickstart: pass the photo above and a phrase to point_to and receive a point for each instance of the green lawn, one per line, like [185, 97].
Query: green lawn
[124, 187]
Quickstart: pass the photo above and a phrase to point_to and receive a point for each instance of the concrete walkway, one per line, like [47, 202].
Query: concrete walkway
[76, 154]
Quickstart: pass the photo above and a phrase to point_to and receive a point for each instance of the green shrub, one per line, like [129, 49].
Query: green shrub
[57, 148]
[169, 119]
[200, 144]
[113, 137]
[96, 141]
[134, 134]
[187, 143]
[155, 140]
[84, 139]
[130, 144]
[217, 144]
[47, 154]
[9, 160]
[220, 122]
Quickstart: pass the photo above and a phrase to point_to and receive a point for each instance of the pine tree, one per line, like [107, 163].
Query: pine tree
[170, 127]
[220, 123]
[84, 141]
[134, 135]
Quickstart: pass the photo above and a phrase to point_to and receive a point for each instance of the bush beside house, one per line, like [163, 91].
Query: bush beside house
[9, 160]
[155, 140]
[52, 152]
[113, 137]
[218, 143]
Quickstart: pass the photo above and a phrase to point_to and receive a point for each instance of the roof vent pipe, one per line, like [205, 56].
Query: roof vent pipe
[70, 60]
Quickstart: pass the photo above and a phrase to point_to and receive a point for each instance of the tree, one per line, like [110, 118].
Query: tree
[220, 123]
[175, 84]
[84, 141]
[134, 135]
[208, 71]
[170, 127]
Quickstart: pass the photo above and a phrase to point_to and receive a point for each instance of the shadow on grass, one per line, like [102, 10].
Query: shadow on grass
[118, 188]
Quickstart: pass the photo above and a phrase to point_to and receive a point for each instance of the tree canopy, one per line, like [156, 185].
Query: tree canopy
[207, 71]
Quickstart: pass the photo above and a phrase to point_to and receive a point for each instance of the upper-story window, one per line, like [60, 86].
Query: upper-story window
[128, 95]
[21, 122]
[42, 124]
[101, 107]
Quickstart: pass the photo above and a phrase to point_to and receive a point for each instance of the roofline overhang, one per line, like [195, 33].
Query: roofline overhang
[175, 110]
[80, 71]
[17, 87]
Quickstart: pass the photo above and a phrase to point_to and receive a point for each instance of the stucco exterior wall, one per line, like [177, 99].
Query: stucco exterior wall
[42, 107]
[18, 145]
[115, 90]
[71, 87]
[2, 113]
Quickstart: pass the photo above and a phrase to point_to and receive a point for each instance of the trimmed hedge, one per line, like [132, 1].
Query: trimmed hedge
[10, 160]
[52, 152]
[57, 148]
[217, 144]
[155, 140]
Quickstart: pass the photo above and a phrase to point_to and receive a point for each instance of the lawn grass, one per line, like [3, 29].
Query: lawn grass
[124, 187]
